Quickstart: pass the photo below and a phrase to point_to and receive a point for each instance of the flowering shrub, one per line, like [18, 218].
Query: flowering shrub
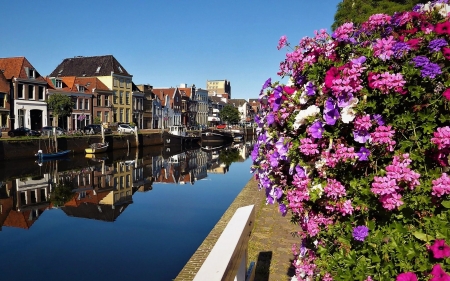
[355, 147]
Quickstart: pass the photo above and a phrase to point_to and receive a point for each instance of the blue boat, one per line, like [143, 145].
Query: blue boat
[56, 155]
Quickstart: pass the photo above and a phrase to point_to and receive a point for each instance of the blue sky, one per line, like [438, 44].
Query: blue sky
[165, 42]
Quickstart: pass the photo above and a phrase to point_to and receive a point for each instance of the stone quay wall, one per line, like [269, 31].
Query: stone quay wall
[12, 148]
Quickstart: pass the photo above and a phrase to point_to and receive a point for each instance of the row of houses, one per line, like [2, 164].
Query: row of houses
[102, 91]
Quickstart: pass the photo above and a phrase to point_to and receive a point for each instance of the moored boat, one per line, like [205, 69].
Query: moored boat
[216, 137]
[178, 136]
[55, 155]
[97, 148]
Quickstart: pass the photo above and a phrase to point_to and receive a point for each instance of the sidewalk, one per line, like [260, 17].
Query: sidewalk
[270, 242]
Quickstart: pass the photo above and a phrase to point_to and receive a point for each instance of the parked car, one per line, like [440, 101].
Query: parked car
[221, 126]
[48, 130]
[96, 129]
[22, 131]
[125, 128]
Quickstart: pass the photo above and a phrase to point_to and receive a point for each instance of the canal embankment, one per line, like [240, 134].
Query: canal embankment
[270, 242]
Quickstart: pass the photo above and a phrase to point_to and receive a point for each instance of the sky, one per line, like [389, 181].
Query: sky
[165, 43]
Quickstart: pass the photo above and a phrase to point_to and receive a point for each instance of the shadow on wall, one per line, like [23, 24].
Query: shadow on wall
[262, 269]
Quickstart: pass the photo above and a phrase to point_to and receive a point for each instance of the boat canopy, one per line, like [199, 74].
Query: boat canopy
[177, 130]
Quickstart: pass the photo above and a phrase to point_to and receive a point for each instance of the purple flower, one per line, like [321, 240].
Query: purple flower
[281, 147]
[440, 249]
[310, 89]
[344, 99]
[420, 61]
[363, 154]
[400, 49]
[283, 209]
[431, 70]
[300, 171]
[361, 136]
[273, 158]
[267, 84]
[329, 105]
[255, 152]
[379, 119]
[270, 119]
[316, 130]
[331, 116]
[436, 44]
[360, 60]
[360, 232]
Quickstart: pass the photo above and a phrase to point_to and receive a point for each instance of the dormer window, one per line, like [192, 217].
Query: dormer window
[31, 73]
[58, 83]
[98, 69]
[80, 88]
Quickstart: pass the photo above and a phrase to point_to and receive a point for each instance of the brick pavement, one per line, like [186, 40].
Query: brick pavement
[269, 245]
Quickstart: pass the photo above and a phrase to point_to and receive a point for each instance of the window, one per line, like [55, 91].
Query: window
[106, 101]
[106, 116]
[127, 101]
[86, 104]
[20, 89]
[115, 97]
[99, 115]
[81, 89]
[31, 72]
[127, 116]
[98, 69]
[2, 100]
[121, 97]
[41, 93]
[128, 84]
[30, 92]
[99, 100]
[58, 83]
[80, 104]
[121, 115]
[115, 82]
[121, 83]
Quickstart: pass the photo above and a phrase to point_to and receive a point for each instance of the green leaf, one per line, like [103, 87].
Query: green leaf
[422, 236]
[446, 204]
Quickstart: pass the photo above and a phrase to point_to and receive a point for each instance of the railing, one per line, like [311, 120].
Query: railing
[228, 258]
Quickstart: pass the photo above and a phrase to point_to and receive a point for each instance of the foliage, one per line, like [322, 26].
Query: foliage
[97, 120]
[228, 156]
[230, 114]
[62, 193]
[358, 11]
[60, 104]
[356, 148]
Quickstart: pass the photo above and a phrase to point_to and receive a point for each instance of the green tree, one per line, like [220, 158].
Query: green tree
[228, 156]
[61, 105]
[358, 11]
[230, 114]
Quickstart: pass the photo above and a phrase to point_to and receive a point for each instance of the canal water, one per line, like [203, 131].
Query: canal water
[126, 215]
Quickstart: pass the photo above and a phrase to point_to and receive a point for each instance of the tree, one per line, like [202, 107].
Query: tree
[230, 114]
[61, 105]
[358, 11]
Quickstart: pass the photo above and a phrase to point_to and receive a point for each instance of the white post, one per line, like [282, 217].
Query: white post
[228, 258]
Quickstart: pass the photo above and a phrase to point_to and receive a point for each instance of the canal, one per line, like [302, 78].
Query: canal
[126, 215]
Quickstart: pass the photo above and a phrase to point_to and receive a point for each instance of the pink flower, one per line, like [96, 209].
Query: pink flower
[442, 28]
[282, 42]
[440, 249]
[441, 186]
[439, 274]
[334, 189]
[446, 94]
[407, 276]
[442, 137]
[446, 52]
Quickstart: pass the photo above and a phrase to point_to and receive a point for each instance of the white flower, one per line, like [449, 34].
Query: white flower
[347, 115]
[442, 8]
[303, 98]
[301, 117]
[319, 188]
[290, 82]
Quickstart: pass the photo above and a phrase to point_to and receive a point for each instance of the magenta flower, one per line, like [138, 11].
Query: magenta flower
[316, 130]
[282, 42]
[439, 274]
[440, 249]
[407, 276]
[446, 94]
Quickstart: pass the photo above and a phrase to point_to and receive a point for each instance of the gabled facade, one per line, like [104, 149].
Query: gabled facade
[92, 101]
[111, 73]
[5, 106]
[27, 94]
[152, 116]
[244, 108]
[171, 103]
[201, 96]
[138, 107]
[189, 107]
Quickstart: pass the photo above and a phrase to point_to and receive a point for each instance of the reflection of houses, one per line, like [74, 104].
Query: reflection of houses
[201, 165]
[29, 198]
[6, 201]
[27, 94]
[171, 102]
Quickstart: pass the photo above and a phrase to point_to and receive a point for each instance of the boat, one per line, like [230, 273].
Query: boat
[216, 137]
[97, 147]
[178, 136]
[238, 138]
[52, 155]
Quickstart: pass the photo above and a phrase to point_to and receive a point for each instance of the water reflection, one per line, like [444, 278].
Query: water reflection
[101, 187]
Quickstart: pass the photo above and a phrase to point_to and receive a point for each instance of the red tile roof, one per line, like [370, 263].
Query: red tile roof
[15, 68]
